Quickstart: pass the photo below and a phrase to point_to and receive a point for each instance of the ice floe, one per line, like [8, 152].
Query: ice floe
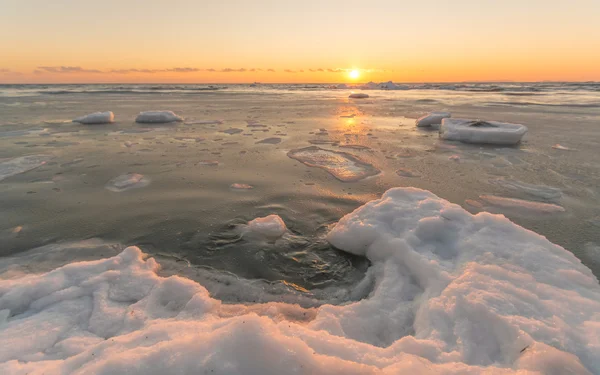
[343, 166]
[96, 118]
[126, 182]
[451, 293]
[476, 131]
[271, 226]
[158, 117]
[21, 164]
[433, 119]
[358, 95]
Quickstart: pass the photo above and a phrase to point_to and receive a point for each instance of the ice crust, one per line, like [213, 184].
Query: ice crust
[452, 293]
[493, 132]
[158, 117]
[96, 118]
[433, 119]
[21, 164]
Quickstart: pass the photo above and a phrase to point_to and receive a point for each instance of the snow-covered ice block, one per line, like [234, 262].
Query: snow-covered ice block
[433, 119]
[157, 117]
[358, 95]
[96, 118]
[476, 131]
[269, 226]
[446, 292]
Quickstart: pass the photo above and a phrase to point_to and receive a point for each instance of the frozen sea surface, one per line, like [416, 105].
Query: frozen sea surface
[63, 184]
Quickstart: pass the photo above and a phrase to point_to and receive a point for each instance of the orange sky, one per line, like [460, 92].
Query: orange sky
[305, 41]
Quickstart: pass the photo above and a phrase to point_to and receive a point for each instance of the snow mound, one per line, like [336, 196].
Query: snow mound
[21, 164]
[433, 119]
[157, 117]
[475, 131]
[358, 96]
[268, 226]
[452, 293]
[96, 118]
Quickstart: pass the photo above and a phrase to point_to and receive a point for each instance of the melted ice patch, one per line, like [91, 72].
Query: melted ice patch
[540, 191]
[514, 205]
[343, 166]
[21, 164]
[126, 182]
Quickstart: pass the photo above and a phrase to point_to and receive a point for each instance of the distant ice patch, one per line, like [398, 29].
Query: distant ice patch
[343, 166]
[520, 206]
[540, 191]
[21, 164]
[96, 118]
[238, 186]
[433, 119]
[126, 182]
[358, 95]
[476, 131]
[158, 117]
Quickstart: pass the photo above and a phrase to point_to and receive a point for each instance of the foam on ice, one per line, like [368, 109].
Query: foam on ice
[451, 293]
[96, 118]
[157, 117]
[475, 131]
[433, 119]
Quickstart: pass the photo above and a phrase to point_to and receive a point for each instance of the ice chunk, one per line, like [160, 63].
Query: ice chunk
[238, 186]
[126, 182]
[358, 95]
[270, 226]
[156, 117]
[521, 205]
[343, 166]
[561, 147]
[446, 292]
[475, 131]
[540, 191]
[403, 172]
[433, 119]
[96, 118]
[21, 164]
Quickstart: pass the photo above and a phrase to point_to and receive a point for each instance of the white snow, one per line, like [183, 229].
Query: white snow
[271, 226]
[475, 131]
[158, 117]
[96, 118]
[358, 95]
[21, 164]
[433, 119]
[452, 293]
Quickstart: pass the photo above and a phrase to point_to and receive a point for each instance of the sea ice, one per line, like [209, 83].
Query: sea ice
[433, 119]
[126, 182]
[269, 226]
[358, 95]
[238, 186]
[232, 131]
[475, 131]
[343, 166]
[270, 141]
[96, 118]
[156, 117]
[21, 164]
[446, 292]
[403, 172]
[540, 191]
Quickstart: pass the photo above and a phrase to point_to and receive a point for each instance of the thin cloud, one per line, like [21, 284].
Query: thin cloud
[229, 70]
[337, 70]
[184, 70]
[290, 71]
[67, 69]
[4, 70]
[271, 70]
[316, 70]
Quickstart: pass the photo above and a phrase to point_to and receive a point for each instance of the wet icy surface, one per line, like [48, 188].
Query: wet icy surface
[212, 169]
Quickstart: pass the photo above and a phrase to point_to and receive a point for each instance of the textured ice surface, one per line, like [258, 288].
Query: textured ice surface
[270, 141]
[451, 293]
[126, 182]
[358, 96]
[433, 119]
[475, 131]
[404, 172]
[540, 191]
[269, 226]
[343, 166]
[21, 164]
[521, 205]
[157, 117]
[96, 118]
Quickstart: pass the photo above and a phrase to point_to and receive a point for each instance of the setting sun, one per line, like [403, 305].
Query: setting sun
[354, 74]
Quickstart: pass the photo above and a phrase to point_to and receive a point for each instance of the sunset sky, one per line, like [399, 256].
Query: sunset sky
[65, 41]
